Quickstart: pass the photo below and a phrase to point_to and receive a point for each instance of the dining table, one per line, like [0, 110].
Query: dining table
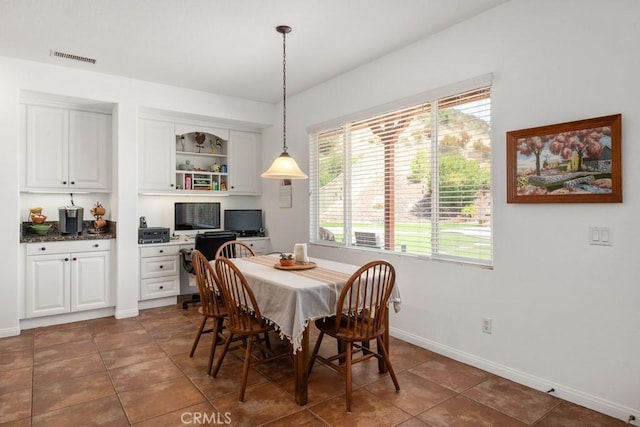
[291, 298]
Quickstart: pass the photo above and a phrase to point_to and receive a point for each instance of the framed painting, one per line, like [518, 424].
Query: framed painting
[573, 162]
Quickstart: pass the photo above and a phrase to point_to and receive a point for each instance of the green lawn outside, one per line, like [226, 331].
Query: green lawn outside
[416, 237]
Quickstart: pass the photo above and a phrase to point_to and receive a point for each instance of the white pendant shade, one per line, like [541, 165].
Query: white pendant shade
[284, 167]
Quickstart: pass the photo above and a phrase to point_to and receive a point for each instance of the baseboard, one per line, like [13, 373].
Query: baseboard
[563, 392]
[38, 322]
[9, 332]
[123, 314]
[157, 302]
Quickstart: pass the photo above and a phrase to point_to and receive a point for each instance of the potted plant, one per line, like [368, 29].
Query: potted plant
[287, 260]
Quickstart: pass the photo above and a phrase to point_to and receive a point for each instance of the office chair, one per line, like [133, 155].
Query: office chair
[207, 244]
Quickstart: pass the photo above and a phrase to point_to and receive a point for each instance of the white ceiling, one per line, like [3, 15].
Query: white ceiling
[228, 47]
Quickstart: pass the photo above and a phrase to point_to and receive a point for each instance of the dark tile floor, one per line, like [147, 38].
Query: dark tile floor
[138, 372]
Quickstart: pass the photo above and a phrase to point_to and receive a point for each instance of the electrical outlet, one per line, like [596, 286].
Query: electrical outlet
[487, 325]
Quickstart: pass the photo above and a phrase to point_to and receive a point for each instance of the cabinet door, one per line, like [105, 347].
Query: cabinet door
[89, 150]
[47, 154]
[244, 163]
[90, 280]
[156, 154]
[48, 285]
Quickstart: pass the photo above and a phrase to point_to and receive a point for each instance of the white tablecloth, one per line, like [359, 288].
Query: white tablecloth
[291, 299]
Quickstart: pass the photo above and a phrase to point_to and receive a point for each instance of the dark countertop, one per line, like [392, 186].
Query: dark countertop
[54, 235]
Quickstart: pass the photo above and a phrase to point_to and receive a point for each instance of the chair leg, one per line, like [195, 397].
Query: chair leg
[316, 348]
[217, 327]
[245, 368]
[387, 361]
[349, 349]
[197, 340]
[340, 345]
[365, 347]
[224, 353]
[267, 341]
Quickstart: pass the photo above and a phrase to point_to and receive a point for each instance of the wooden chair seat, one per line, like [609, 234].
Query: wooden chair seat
[343, 331]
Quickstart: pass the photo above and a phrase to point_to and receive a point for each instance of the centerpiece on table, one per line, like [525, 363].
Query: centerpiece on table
[287, 260]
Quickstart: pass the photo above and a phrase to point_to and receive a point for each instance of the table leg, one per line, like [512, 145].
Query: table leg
[301, 369]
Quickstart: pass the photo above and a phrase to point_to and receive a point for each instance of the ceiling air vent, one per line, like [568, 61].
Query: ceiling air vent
[72, 57]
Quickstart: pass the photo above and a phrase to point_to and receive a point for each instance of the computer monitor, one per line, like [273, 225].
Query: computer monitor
[244, 222]
[196, 217]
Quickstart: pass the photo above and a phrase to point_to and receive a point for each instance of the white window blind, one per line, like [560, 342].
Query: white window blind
[414, 180]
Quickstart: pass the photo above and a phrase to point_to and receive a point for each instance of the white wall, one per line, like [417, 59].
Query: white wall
[127, 97]
[566, 314]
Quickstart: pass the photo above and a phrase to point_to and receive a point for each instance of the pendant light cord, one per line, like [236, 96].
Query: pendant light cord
[284, 91]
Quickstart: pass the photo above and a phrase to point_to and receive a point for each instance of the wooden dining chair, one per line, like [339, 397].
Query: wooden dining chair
[244, 320]
[211, 303]
[235, 249]
[362, 315]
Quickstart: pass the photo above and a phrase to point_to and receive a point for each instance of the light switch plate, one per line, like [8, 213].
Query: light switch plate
[600, 236]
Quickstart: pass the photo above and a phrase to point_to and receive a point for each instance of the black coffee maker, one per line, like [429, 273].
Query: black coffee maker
[70, 219]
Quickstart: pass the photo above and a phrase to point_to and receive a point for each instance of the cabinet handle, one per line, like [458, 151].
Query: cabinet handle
[161, 287]
[96, 245]
[74, 259]
[171, 185]
[161, 266]
[161, 251]
[64, 182]
[73, 182]
[66, 259]
[43, 248]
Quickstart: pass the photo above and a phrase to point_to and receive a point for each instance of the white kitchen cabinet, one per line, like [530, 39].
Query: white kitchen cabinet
[156, 155]
[244, 163]
[159, 271]
[170, 161]
[66, 149]
[65, 277]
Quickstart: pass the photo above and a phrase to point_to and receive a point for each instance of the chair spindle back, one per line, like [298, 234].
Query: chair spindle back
[240, 302]
[234, 249]
[364, 300]
[210, 296]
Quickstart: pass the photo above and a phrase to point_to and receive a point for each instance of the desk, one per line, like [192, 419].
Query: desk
[292, 299]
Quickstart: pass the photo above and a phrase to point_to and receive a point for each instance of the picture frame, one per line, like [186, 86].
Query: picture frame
[572, 162]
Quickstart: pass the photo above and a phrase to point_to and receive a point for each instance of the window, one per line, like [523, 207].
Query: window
[415, 180]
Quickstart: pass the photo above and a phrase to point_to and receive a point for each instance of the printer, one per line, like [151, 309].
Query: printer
[153, 235]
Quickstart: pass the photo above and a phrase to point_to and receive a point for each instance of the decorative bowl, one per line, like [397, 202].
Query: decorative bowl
[41, 229]
[38, 219]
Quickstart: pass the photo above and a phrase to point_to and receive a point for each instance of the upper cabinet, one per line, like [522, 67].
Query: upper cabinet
[66, 149]
[244, 163]
[180, 158]
[156, 155]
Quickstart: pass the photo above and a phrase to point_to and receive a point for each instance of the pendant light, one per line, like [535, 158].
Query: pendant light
[284, 166]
